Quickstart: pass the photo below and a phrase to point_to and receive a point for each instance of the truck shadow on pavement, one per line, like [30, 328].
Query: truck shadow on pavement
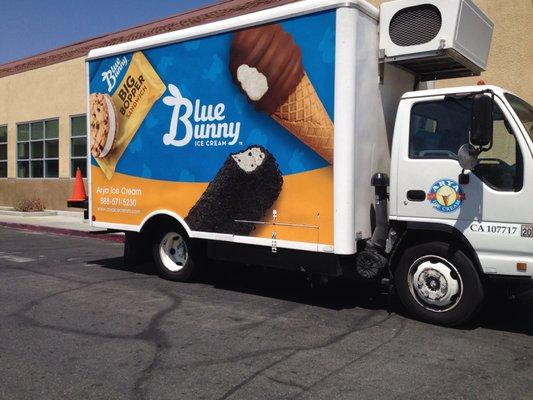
[499, 313]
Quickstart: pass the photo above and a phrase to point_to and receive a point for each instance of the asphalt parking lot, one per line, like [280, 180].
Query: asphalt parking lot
[76, 324]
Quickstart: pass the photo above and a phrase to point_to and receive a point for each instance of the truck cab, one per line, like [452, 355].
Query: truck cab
[485, 213]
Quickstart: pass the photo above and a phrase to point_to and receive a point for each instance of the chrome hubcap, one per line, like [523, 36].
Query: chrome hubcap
[173, 251]
[435, 283]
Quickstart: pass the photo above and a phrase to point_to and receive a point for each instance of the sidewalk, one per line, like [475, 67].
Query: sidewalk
[58, 222]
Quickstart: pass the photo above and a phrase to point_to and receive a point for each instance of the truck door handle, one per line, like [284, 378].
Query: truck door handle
[416, 195]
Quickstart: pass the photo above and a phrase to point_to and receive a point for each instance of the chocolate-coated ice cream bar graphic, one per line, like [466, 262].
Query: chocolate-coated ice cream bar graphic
[266, 64]
[244, 189]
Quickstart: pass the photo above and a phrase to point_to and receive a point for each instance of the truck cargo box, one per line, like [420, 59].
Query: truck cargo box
[263, 129]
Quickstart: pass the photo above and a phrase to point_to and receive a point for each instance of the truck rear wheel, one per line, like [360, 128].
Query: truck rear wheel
[438, 283]
[176, 256]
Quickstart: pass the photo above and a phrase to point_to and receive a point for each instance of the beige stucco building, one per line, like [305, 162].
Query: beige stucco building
[43, 98]
[52, 93]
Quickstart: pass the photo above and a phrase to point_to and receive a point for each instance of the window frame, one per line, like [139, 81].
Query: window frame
[501, 104]
[44, 139]
[519, 123]
[7, 149]
[72, 174]
[498, 102]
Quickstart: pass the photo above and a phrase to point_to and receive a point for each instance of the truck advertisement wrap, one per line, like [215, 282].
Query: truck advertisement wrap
[233, 133]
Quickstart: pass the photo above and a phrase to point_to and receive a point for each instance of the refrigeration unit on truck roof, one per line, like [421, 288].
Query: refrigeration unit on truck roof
[435, 39]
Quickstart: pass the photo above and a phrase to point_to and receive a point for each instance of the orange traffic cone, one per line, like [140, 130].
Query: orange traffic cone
[78, 193]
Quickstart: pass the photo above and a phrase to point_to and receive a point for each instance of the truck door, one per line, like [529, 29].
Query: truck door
[494, 210]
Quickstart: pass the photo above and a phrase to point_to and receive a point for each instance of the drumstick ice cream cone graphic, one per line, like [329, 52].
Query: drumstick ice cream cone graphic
[267, 65]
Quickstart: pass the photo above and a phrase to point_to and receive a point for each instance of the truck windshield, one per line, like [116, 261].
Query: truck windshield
[524, 112]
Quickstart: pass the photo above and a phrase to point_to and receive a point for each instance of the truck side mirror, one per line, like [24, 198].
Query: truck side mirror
[468, 157]
[481, 132]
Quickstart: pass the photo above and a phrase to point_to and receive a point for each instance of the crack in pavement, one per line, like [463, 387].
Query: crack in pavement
[151, 334]
[334, 339]
[287, 383]
[295, 350]
[154, 334]
[255, 374]
[32, 271]
[358, 358]
[36, 302]
[32, 322]
[253, 325]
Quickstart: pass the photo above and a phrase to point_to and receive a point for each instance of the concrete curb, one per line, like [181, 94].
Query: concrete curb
[28, 214]
[5, 210]
[110, 237]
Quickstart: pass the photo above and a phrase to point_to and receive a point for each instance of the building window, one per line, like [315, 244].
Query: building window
[38, 149]
[78, 145]
[3, 151]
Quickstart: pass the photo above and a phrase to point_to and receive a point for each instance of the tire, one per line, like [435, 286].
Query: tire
[176, 256]
[437, 283]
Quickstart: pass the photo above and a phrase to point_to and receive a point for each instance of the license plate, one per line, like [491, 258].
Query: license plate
[527, 231]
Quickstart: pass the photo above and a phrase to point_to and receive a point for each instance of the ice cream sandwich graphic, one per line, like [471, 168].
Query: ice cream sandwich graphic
[244, 189]
[266, 64]
[104, 125]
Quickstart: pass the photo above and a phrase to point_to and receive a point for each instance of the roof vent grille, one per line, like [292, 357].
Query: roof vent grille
[415, 25]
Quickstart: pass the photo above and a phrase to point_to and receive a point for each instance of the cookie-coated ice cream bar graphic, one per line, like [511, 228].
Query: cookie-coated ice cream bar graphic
[266, 64]
[103, 125]
[244, 188]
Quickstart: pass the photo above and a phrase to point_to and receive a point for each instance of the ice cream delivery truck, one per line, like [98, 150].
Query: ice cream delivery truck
[309, 136]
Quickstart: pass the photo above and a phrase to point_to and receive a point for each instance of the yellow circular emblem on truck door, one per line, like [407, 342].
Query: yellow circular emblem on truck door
[446, 195]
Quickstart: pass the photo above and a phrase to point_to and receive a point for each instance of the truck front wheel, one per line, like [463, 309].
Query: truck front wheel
[176, 256]
[438, 283]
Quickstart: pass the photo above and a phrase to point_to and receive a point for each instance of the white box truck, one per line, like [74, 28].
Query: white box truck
[300, 137]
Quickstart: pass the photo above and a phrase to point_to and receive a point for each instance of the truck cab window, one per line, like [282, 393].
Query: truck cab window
[439, 128]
